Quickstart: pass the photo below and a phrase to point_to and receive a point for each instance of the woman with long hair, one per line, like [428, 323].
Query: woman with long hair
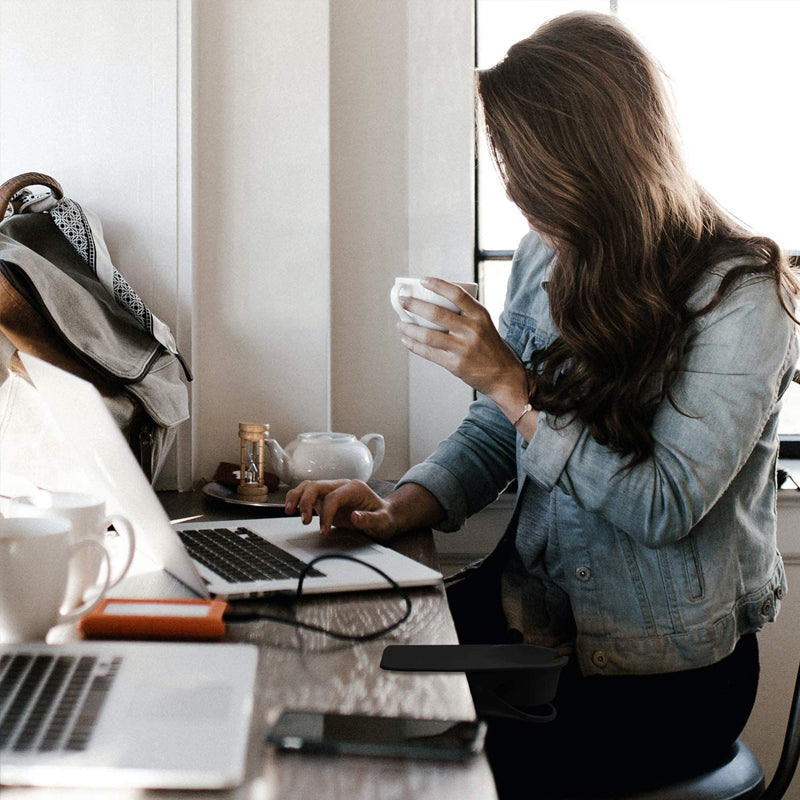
[632, 391]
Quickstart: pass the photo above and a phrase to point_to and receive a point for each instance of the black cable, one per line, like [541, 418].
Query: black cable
[253, 616]
[783, 476]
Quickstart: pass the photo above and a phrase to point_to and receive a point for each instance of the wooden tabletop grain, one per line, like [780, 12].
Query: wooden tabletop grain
[308, 670]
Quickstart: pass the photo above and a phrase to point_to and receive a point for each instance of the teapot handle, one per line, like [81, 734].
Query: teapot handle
[380, 449]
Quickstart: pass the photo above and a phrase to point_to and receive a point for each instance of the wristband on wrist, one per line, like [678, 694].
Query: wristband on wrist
[528, 407]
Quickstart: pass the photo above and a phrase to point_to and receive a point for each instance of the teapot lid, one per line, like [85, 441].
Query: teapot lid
[326, 437]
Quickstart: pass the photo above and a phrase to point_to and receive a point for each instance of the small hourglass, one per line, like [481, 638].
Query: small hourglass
[251, 462]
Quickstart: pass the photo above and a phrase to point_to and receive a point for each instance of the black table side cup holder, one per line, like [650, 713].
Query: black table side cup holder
[513, 681]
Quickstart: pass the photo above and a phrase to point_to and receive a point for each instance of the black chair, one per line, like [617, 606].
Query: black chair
[739, 777]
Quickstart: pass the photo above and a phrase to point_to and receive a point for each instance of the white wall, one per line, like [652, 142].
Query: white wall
[401, 194]
[369, 222]
[89, 95]
[262, 222]
[441, 103]
[263, 169]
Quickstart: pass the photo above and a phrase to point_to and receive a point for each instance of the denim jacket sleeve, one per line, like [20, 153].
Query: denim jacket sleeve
[471, 467]
[738, 361]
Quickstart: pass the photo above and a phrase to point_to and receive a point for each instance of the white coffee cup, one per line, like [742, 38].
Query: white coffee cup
[412, 287]
[87, 513]
[36, 554]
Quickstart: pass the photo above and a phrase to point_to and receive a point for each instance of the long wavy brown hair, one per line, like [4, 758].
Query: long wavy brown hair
[582, 131]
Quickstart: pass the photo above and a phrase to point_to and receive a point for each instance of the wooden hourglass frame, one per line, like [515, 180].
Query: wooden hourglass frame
[251, 461]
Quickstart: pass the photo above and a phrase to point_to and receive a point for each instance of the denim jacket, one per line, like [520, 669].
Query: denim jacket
[661, 567]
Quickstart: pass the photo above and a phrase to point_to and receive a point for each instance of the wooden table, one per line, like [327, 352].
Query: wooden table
[300, 669]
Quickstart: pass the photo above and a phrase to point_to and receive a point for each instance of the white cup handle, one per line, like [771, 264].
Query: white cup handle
[394, 296]
[124, 528]
[82, 610]
[380, 449]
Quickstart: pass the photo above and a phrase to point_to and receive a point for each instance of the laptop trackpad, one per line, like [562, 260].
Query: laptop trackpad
[205, 703]
[335, 542]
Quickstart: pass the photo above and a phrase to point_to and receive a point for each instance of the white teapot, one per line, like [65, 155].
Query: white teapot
[326, 455]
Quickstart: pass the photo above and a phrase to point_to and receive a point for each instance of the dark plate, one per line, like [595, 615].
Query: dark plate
[221, 492]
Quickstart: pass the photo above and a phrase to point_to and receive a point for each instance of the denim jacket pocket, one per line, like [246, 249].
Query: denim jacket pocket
[637, 593]
[693, 569]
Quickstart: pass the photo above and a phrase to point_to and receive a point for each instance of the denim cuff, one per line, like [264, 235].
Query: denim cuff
[548, 452]
[442, 484]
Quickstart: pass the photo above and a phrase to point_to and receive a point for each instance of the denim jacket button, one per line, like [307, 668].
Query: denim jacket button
[779, 592]
[599, 659]
[767, 607]
[583, 573]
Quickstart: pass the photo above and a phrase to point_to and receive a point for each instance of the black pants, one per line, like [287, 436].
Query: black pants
[614, 732]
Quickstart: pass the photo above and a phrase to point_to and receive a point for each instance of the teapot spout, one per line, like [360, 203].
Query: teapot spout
[281, 463]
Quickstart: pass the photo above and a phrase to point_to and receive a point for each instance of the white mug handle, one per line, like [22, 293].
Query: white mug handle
[380, 449]
[82, 610]
[394, 296]
[123, 528]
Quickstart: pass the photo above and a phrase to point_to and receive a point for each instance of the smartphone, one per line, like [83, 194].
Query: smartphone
[362, 734]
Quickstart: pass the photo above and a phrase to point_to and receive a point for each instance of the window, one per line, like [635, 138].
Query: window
[732, 66]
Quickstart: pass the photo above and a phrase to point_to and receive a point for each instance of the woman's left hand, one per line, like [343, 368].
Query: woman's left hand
[470, 347]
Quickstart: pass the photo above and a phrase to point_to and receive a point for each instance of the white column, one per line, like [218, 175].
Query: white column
[440, 168]
[262, 221]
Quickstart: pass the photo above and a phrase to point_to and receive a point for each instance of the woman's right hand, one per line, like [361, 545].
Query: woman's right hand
[343, 504]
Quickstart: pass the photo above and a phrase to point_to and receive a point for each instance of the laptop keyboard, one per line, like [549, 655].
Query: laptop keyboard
[241, 556]
[52, 703]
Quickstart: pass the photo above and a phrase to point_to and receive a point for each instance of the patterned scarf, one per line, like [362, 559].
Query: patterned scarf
[84, 232]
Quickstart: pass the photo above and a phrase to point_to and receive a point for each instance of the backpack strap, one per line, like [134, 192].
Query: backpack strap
[15, 186]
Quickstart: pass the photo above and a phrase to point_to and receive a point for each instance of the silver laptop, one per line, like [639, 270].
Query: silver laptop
[144, 715]
[228, 559]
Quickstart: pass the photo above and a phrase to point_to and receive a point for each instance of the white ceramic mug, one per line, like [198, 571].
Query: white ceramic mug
[36, 554]
[412, 287]
[87, 513]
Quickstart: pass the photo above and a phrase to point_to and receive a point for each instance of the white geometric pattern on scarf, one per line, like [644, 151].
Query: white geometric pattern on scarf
[127, 297]
[72, 222]
[70, 219]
